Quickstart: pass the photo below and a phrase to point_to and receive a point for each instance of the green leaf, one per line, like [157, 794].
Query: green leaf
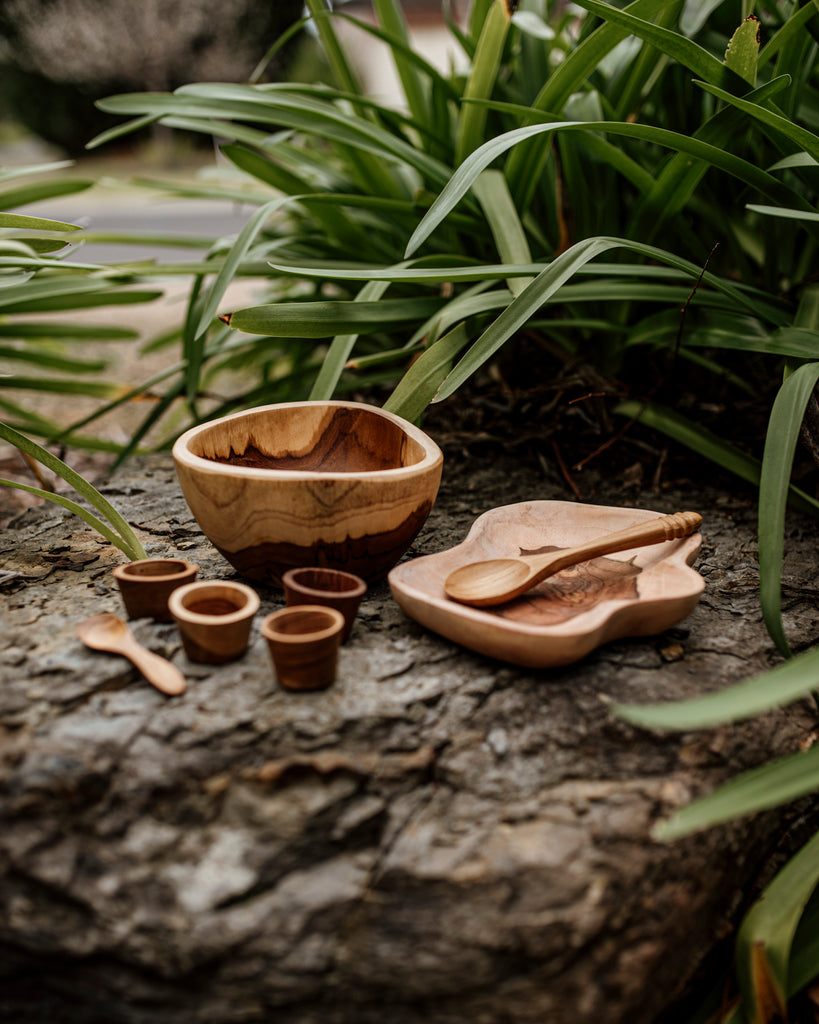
[405, 272]
[803, 138]
[464, 177]
[780, 444]
[778, 211]
[708, 445]
[50, 294]
[265, 169]
[237, 253]
[20, 221]
[29, 194]
[39, 357]
[393, 22]
[327, 318]
[340, 66]
[765, 938]
[547, 284]
[78, 510]
[741, 55]
[128, 540]
[793, 29]
[417, 387]
[507, 231]
[571, 74]
[341, 348]
[26, 170]
[768, 786]
[210, 106]
[60, 386]
[533, 25]
[481, 80]
[685, 51]
[673, 187]
[782, 685]
[520, 310]
[47, 330]
[135, 125]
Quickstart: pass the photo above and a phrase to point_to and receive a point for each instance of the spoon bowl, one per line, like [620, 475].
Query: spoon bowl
[482, 584]
[107, 632]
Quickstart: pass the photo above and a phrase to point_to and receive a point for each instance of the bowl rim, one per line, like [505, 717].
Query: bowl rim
[433, 456]
[125, 571]
[357, 587]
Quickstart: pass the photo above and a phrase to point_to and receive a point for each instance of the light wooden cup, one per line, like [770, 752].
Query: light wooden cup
[146, 585]
[341, 485]
[214, 619]
[303, 641]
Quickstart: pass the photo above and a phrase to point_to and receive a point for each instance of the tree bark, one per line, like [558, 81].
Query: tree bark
[437, 837]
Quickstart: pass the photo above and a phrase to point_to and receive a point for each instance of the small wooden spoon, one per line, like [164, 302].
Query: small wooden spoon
[501, 579]
[106, 632]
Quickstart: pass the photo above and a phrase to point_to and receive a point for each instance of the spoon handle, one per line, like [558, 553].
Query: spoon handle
[158, 671]
[654, 531]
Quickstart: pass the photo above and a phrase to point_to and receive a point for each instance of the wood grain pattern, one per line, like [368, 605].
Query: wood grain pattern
[639, 592]
[303, 642]
[214, 619]
[146, 585]
[485, 583]
[107, 632]
[573, 591]
[332, 484]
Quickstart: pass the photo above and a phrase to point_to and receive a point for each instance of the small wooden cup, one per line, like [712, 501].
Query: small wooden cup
[214, 619]
[303, 642]
[146, 585]
[330, 588]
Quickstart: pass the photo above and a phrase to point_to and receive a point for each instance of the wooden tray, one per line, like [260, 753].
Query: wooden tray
[639, 592]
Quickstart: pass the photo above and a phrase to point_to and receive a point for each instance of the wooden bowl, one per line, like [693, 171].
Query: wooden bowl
[340, 485]
[639, 592]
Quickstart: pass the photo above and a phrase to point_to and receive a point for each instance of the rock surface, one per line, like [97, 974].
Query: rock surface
[438, 837]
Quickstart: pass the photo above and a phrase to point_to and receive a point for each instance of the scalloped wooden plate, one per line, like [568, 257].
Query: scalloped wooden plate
[639, 592]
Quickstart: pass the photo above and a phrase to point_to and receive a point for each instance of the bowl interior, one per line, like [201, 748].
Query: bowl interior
[216, 600]
[204, 604]
[302, 622]
[153, 568]
[309, 438]
[321, 582]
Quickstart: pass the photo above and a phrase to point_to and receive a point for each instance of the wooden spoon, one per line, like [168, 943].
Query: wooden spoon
[106, 632]
[501, 579]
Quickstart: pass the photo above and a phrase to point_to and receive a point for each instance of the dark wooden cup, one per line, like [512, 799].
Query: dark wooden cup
[330, 588]
[303, 642]
[146, 585]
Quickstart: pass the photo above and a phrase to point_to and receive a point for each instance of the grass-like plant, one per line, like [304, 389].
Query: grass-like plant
[115, 530]
[528, 197]
[40, 277]
[37, 282]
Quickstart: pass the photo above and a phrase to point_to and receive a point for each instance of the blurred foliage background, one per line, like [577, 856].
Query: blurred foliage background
[57, 57]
